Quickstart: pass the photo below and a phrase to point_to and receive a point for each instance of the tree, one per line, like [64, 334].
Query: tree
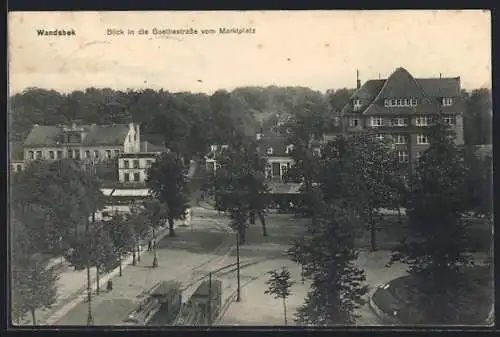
[123, 237]
[360, 172]
[439, 246]
[103, 254]
[34, 285]
[279, 286]
[169, 184]
[326, 252]
[478, 117]
[238, 185]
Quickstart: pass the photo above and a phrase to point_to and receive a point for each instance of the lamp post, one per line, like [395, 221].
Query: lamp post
[238, 298]
[90, 320]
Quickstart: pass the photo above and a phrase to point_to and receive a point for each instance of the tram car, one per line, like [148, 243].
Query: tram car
[208, 300]
[160, 306]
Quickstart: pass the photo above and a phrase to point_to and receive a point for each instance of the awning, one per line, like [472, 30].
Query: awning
[284, 188]
[138, 192]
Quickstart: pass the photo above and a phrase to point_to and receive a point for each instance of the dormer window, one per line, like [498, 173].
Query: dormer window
[269, 150]
[356, 104]
[447, 101]
[400, 102]
[289, 148]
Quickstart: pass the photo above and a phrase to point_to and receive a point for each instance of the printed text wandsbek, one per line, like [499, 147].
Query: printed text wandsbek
[56, 32]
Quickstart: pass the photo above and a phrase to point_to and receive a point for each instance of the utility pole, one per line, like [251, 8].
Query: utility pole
[155, 258]
[209, 298]
[238, 298]
[90, 320]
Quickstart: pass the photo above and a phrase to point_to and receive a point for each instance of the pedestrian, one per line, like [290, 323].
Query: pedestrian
[109, 287]
[149, 246]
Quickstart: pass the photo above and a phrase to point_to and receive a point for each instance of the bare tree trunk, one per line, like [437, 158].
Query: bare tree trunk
[97, 290]
[137, 246]
[399, 216]
[284, 310]
[263, 223]
[252, 218]
[373, 233]
[33, 317]
[242, 233]
[120, 262]
[133, 257]
[171, 227]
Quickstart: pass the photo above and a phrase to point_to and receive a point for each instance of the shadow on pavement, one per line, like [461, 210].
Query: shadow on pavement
[194, 242]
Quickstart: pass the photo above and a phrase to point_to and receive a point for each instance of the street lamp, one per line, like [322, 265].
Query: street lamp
[90, 320]
[238, 298]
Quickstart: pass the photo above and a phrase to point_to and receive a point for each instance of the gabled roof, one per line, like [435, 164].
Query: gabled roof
[150, 147]
[96, 135]
[16, 151]
[277, 143]
[401, 84]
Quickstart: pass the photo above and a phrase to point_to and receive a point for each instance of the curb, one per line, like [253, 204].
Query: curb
[76, 298]
[380, 314]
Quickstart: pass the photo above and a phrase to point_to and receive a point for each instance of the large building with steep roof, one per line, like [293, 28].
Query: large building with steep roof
[82, 142]
[401, 106]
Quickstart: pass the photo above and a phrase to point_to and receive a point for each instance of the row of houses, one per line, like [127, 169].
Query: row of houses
[400, 107]
[91, 145]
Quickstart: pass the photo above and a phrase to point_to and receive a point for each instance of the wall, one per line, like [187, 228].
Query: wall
[142, 169]
[132, 140]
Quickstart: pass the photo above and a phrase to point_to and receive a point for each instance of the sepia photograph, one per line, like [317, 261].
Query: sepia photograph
[250, 169]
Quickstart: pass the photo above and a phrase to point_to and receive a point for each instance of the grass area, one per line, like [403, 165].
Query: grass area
[194, 242]
[479, 298]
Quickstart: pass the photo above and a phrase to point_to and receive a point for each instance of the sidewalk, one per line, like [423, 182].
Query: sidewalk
[111, 308]
[72, 285]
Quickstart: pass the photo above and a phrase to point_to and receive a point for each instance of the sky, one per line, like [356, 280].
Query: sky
[318, 49]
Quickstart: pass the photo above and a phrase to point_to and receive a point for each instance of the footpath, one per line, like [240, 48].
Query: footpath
[72, 285]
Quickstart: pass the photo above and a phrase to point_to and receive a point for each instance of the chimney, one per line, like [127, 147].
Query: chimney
[358, 82]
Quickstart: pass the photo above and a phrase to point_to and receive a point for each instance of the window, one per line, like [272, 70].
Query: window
[450, 120]
[317, 152]
[399, 122]
[422, 121]
[127, 177]
[377, 121]
[126, 164]
[336, 121]
[393, 102]
[137, 177]
[407, 102]
[354, 122]
[422, 139]
[70, 153]
[400, 102]
[96, 154]
[19, 167]
[402, 156]
[108, 154]
[38, 154]
[129, 138]
[379, 136]
[149, 163]
[400, 139]
[447, 101]
[414, 101]
[135, 137]
[289, 148]
[136, 164]
[418, 155]
[269, 150]
[87, 154]
[51, 155]
[356, 103]
[31, 154]
[77, 154]
[117, 152]
[59, 154]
